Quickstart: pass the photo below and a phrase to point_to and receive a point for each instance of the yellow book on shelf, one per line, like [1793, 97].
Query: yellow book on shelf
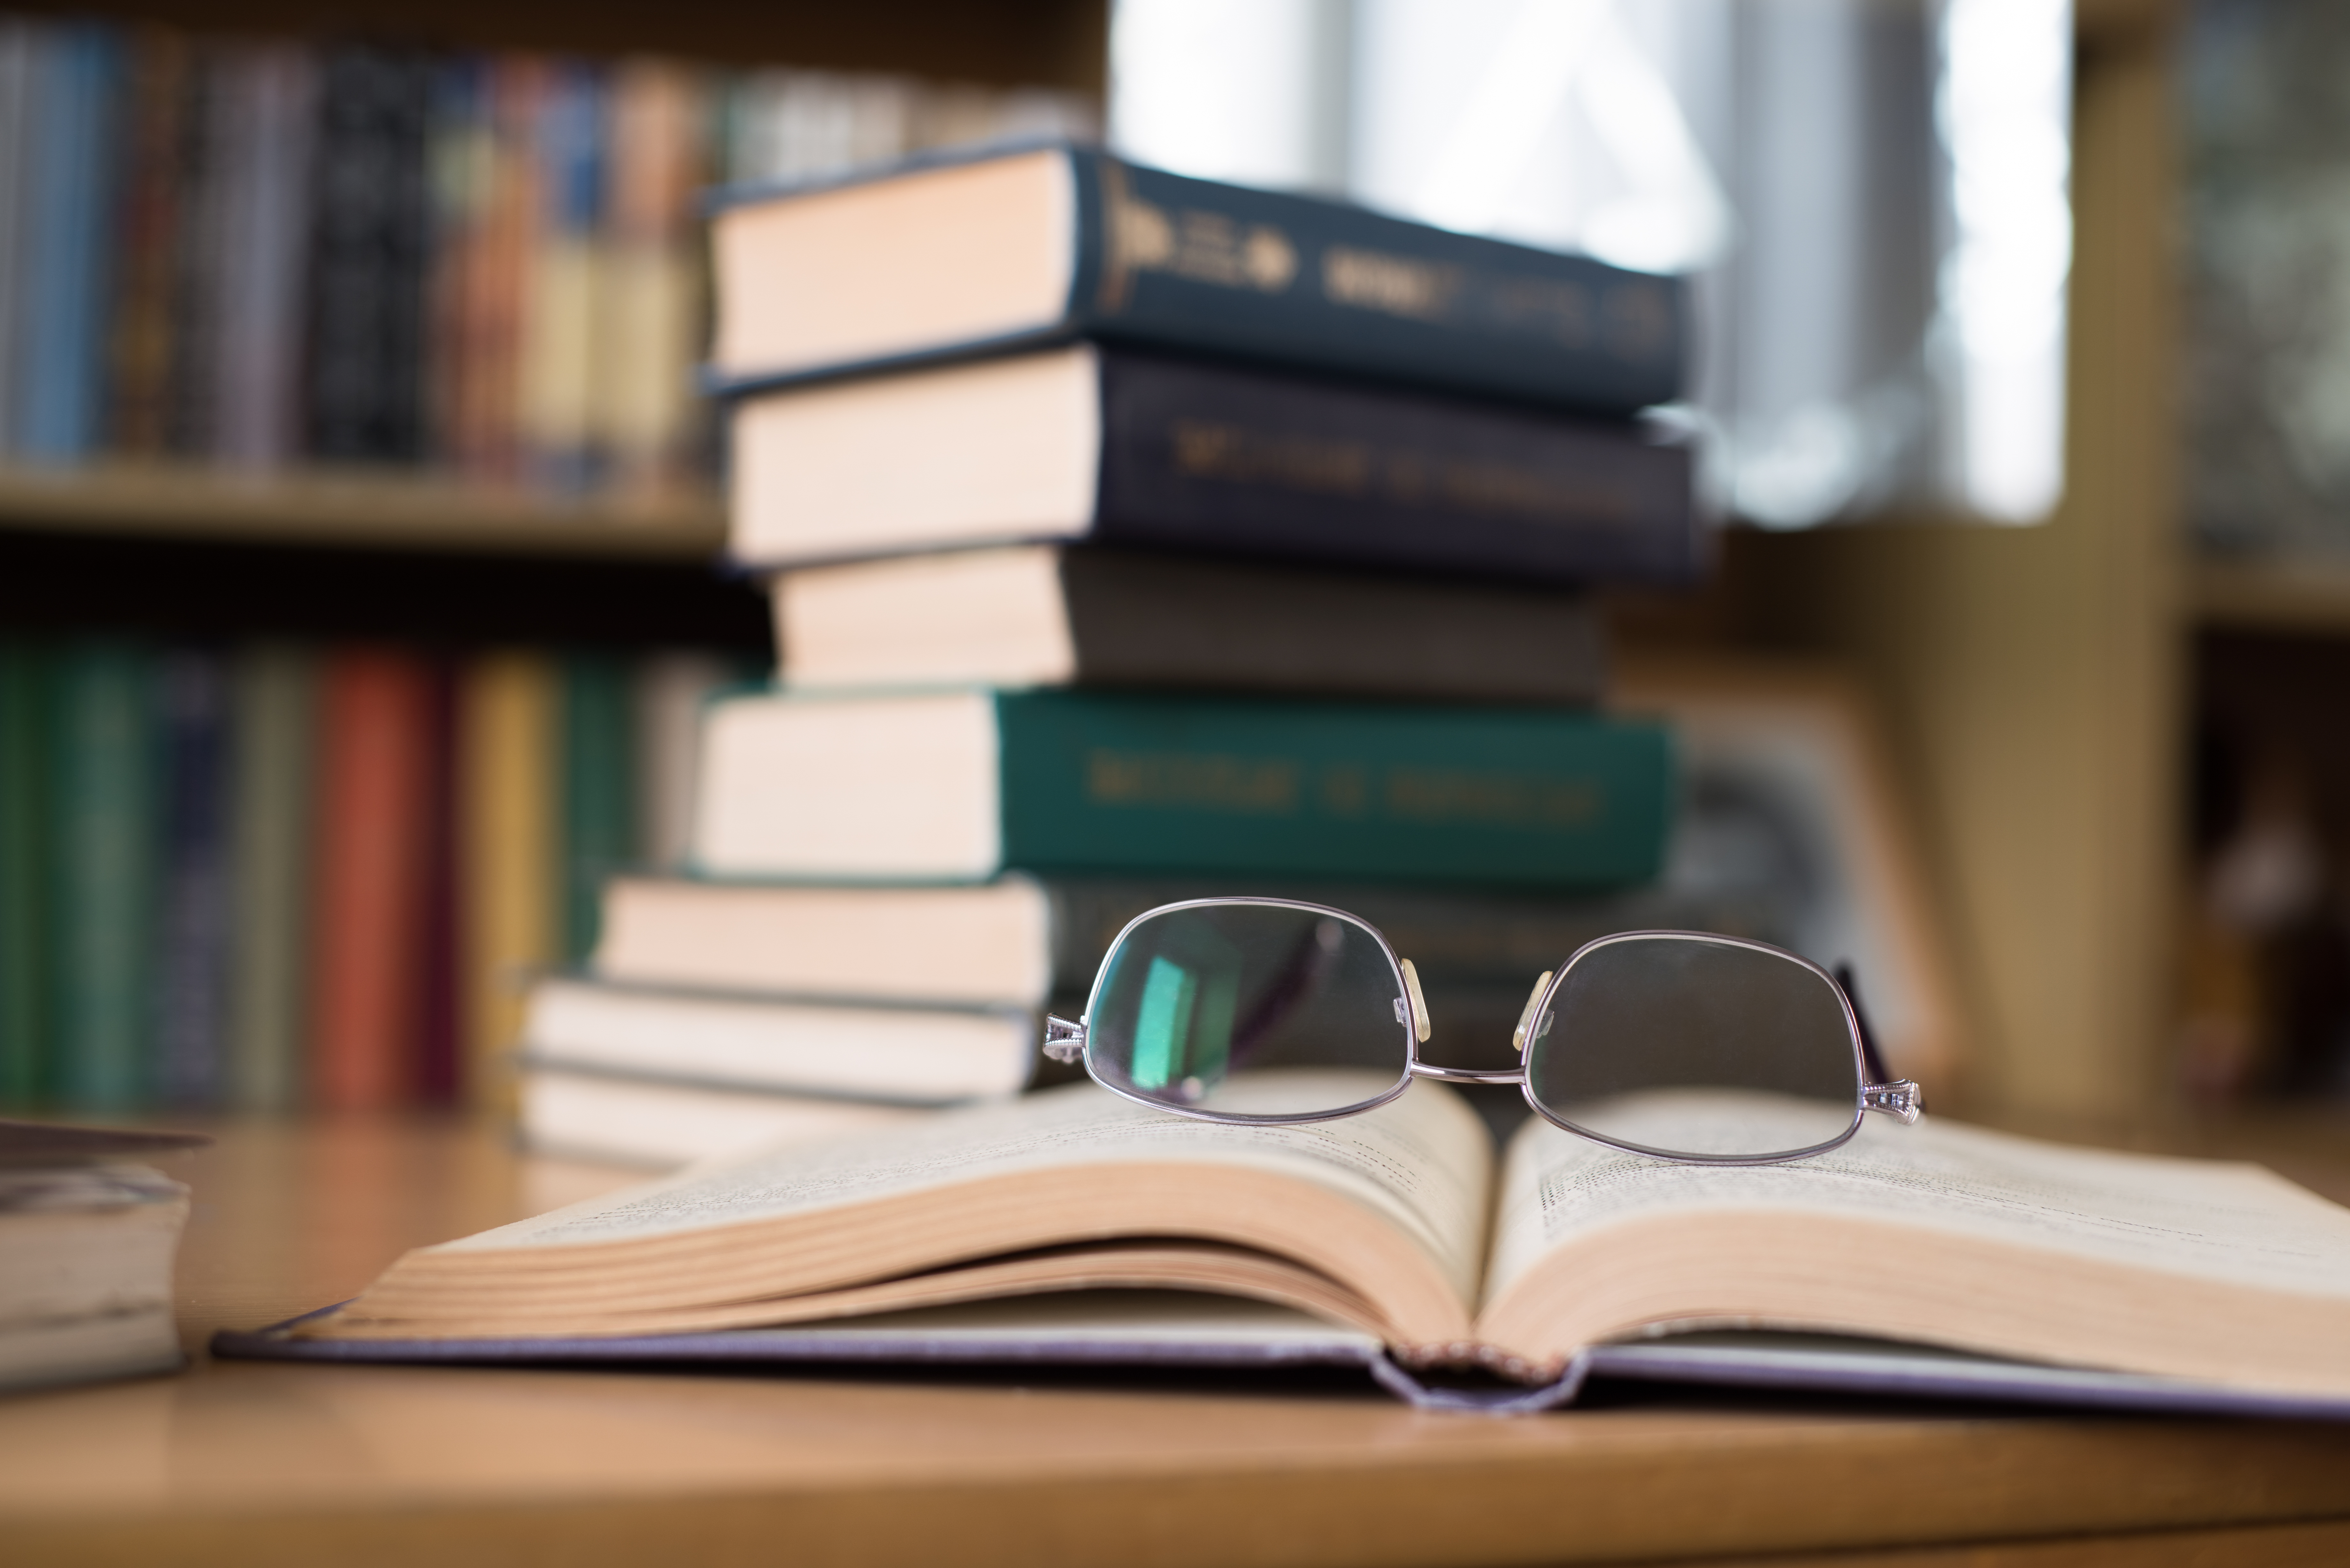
[508, 832]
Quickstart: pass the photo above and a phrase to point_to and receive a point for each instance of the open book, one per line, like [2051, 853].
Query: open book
[1400, 1225]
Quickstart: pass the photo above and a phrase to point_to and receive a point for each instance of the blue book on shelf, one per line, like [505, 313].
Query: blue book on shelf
[195, 910]
[64, 230]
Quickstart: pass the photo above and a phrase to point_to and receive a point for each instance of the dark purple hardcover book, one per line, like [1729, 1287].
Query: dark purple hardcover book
[1172, 1331]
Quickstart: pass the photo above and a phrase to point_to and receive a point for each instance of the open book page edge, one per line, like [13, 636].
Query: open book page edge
[2226, 1222]
[1233, 1271]
[1653, 1246]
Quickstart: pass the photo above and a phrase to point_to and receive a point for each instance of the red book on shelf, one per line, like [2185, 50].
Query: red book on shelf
[373, 838]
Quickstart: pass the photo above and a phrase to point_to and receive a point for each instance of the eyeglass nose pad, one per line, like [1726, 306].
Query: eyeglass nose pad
[1419, 1024]
[1526, 1018]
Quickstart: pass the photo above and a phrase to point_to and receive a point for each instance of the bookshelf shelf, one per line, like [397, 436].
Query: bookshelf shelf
[355, 509]
[2301, 597]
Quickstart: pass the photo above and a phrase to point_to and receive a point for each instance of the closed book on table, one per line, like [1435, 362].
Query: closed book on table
[964, 784]
[1055, 615]
[974, 251]
[1091, 441]
[910, 1054]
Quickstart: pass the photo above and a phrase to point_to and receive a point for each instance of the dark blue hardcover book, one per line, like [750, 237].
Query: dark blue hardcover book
[1116, 446]
[60, 403]
[193, 905]
[987, 250]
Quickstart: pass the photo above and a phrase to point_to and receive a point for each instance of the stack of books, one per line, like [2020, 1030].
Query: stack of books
[1131, 538]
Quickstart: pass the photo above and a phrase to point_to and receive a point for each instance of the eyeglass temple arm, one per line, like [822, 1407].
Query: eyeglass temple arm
[1882, 1092]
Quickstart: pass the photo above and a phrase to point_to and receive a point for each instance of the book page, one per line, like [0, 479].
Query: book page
[1422, 1162]
[2232, 1224]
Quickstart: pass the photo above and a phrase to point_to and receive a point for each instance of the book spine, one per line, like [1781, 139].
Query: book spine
[507, 810]
[1208, 456]
[64, 239]
[1197, 264]
[599, 776]
[24, 832]
[102, 872]
[367, 863]
[272, 773]
[441, 1058]
[271, 147]
[362, 395]
[646, 408]
[671, 691]
[1507, 796]
[562, 299]
[19, 52]
[193, 961]
[148, 218]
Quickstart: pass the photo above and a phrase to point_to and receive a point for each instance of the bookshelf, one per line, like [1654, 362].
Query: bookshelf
[2033, 680]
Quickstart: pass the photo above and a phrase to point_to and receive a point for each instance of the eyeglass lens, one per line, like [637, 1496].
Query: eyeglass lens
[1683, 1046]
[1250, 1010]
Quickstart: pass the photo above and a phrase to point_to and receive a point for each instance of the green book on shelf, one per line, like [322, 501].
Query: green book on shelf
[24, 979]
[102, 867]
[599, 762]
[276, 736]
[966, 783]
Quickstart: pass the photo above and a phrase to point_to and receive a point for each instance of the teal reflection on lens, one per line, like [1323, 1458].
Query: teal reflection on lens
[1183, 1027]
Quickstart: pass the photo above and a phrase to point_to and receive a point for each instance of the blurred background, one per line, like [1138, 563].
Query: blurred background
[349, 352]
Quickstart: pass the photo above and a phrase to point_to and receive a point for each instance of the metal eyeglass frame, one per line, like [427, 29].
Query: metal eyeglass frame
[1068, 1042]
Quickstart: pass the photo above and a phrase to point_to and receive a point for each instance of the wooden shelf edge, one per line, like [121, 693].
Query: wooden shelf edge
[2302, 597]
[357, 510]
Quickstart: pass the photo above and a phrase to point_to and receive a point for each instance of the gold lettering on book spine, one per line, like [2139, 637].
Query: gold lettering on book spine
[1319, 465]
[1391, 284]
[1195, 245]
[1195, 781]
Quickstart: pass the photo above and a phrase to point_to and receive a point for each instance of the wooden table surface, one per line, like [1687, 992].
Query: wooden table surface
[259, 1463]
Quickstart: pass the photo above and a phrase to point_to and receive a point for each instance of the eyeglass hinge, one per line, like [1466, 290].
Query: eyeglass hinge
[1063, 1041]
[1898, 1098]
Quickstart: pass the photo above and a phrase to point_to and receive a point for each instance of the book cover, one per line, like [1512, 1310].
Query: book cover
[441, 1054]
[964, 784]
[648, 320]
[563, 296]
[364, 351]
[599, 766]
[18, 52]
[102, 872]
[508, 812]
[272, 773]
[267, 105]
[23, 839]
[1049, 615]
[196, 902]
[68, 212]
[367, 865]
[1106, 444]
[1159, 258]
[150, 217]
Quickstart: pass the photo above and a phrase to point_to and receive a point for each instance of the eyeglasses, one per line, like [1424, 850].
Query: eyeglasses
[1679, 1044]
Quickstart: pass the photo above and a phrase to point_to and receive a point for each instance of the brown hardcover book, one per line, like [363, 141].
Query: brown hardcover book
[1045, 615]
[369, 860]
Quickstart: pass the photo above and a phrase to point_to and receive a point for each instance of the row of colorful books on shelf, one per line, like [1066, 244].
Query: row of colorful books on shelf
[274, 875]
[258, 254]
